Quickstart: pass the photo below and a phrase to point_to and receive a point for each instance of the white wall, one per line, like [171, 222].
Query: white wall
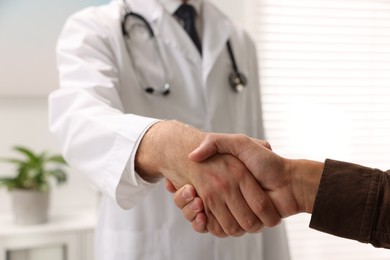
[27, 74]
[24, 122]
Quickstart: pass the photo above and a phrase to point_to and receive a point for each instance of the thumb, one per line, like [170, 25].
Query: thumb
[233, 144]
[169, 186]
[262, 143]
[206, 149]
[219, 143]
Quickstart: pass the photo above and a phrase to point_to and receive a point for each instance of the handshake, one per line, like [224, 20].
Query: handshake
[230, 184]
[247, 188]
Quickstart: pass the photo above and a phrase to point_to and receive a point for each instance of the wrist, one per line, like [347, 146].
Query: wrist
[145, 156]
[164, 149]
[306, 177]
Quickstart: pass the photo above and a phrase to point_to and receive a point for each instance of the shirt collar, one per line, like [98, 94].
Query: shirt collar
[172, 5]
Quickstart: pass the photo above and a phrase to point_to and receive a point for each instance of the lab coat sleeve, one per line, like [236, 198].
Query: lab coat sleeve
[86, 113]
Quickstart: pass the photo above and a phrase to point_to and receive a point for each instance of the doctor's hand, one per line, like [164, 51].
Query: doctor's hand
[291, 184]
[233, 202]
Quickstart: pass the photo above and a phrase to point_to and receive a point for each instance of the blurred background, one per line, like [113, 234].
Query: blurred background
[325, 83]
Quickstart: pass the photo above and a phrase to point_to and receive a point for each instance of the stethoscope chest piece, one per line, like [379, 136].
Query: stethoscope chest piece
[237, 81]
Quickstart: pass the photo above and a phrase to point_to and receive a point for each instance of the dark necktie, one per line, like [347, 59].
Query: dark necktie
[187, 14]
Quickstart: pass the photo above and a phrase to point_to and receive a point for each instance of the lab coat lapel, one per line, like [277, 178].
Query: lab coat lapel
[217, 29]
[170, 32]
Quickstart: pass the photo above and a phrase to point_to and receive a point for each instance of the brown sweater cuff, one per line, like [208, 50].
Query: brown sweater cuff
[347, 200]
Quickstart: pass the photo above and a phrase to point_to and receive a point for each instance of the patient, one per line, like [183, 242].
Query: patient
[345, 199]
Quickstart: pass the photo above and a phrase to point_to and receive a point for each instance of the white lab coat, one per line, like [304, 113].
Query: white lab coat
[101, 112]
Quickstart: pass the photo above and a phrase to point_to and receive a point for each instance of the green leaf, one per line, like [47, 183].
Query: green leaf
[56, 159]
[6, 179]
[27, 152]
[59, 175]
[42, 158]
[9, 183]
[34, 172]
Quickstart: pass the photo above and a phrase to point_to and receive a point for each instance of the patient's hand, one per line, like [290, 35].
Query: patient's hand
[291, 184]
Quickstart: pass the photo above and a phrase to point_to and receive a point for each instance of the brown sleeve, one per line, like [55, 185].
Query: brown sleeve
[353, 202]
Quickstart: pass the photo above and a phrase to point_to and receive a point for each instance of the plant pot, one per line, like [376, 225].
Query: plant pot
[30, 207]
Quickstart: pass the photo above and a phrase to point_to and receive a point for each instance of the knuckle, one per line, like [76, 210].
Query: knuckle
[220, 234]
[261, 206]
[238, 233]
[197, 205]
[252, 224]
[218, 183]
[223, 186]
[199, 229]
[259, 230]
[179, 201]
[215, 179]
[208, 197]
[275, 222]
[242, 138]
[189, 214]
[199, 226]
[214, 227]
[268, 145]
[237, 170]
[234, 230]
[217, 231]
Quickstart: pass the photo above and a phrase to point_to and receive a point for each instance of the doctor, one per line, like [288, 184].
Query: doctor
[130, 73]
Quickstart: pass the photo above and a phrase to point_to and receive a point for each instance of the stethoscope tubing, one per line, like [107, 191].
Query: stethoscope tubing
[232, 57]
[146, 23]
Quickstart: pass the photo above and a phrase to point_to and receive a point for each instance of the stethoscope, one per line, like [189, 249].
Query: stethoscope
[237, 80]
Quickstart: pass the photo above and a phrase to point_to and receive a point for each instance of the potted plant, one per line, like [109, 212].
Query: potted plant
[31, 184]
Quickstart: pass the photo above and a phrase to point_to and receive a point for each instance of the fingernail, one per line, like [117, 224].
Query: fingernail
[194, 207]
[198, 220]
[186, 193]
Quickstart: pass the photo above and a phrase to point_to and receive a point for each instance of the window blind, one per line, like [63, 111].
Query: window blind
[325, 83]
